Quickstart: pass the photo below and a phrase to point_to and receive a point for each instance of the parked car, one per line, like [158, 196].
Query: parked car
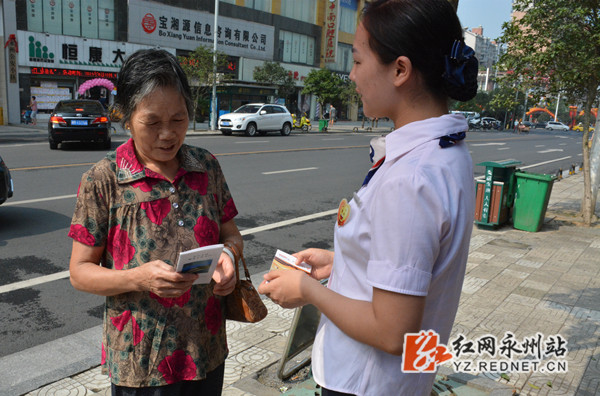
[539, 125]
[556, 126]
[579, 127]
[528, 124]
[474, 122]
[81, 120]
[6, 183]
[256, 118]
[490, 123]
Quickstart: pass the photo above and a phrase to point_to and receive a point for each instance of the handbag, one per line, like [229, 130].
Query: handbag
[244, 303]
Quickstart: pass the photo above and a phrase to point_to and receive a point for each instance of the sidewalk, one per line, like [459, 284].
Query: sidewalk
[520, 282]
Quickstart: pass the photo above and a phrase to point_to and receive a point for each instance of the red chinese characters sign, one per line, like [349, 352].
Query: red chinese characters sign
[332, 16]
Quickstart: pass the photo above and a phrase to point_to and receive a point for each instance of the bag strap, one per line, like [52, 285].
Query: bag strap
[237, 256]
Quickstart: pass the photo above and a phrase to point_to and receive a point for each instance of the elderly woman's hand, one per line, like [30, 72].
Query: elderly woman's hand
[224, 276]
[161, 279]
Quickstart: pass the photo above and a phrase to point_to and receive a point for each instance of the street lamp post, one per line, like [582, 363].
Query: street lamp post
[213, 118]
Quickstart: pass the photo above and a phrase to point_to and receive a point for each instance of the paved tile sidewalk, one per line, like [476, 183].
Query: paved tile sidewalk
[520, 282]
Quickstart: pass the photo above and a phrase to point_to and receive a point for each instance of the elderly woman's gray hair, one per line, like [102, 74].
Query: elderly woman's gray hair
[142, 73]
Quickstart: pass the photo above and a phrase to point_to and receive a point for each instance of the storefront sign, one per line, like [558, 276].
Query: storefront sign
[157, 24]
[46, 71]
[53, 51]
[298, 73]
[332, 16]
[12, 59]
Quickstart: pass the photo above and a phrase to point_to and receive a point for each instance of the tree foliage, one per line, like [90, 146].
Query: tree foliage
[198, 67]
[325, 85]
[555, 48]
[272, 73]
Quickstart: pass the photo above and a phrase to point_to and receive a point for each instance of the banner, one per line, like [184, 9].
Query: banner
[332, 16]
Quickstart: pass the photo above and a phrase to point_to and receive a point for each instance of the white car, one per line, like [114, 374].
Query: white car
[555, 125]
[256, 118]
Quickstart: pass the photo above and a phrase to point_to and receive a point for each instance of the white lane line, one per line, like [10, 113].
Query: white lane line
[540, 145]
[288, 171]
[544, 163]
[33, 282]
[23, 144]
[486, 144]
[65, 274]
[38, 200]
[252, 141]
[549, 151]
[503, 148]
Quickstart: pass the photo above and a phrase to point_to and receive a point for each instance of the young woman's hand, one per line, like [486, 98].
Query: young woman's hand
[321, 261]
[287, 288]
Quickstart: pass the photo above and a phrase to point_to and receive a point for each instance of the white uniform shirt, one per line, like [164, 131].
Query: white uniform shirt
[408, 232]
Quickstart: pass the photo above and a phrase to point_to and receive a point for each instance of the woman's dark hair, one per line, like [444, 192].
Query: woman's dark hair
[424, 31]
[142, 73]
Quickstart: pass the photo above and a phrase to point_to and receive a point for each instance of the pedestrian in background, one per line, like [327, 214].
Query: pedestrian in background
[34, 110]
[136, 210]
[331, 115]
[401, 243]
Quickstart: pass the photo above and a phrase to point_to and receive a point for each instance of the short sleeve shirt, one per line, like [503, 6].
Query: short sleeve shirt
[140, 216]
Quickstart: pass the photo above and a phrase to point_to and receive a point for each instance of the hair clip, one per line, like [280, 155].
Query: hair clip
[456, 61]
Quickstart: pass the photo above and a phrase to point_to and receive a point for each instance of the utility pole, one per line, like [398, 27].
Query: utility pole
[213, 112]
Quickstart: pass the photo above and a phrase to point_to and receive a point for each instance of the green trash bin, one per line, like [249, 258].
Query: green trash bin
[531, 200]
[495, 193]
[322, 125]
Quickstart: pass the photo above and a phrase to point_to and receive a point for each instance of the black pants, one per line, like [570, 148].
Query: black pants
[327, 392]
[212, 385]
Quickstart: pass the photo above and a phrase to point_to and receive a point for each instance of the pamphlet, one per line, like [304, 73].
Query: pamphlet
[284, 261]
[202, 261]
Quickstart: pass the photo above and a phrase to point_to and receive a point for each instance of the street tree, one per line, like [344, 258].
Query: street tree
[198, 67]
[272, 73]
[555, 49]
[325, 85]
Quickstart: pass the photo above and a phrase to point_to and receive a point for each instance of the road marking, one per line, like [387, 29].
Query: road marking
[544, 163]
[503, 148]
[487, 144]
[65, 274]
[549, 151]
[11, 203]
[288, 171]
[23, 144]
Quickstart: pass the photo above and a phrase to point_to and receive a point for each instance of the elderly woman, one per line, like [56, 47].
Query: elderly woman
[137, 208]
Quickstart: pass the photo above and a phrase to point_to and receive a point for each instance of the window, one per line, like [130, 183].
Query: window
[348, 20]
[296, 48]
[304, 10]
[261, 5]
[82, 18]
[344, 59]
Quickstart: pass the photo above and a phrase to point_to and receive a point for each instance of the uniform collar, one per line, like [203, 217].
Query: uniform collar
[406, 138]
[130, 169]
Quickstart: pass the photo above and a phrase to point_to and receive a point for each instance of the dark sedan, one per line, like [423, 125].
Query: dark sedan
[79, 120]
[6, 183]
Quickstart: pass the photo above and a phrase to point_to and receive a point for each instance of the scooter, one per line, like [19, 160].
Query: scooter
[303, 124]
[26, 117]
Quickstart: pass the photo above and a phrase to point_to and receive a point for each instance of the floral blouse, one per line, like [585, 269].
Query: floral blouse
[140, 216]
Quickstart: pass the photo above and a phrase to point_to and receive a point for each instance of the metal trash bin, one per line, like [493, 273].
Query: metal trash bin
[531, 200]
[323, 125]
[495, 194]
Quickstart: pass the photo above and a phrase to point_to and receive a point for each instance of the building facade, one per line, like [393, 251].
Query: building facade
[54, 46]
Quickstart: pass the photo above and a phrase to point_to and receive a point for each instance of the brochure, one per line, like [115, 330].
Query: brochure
[201, 261]
[284, 261]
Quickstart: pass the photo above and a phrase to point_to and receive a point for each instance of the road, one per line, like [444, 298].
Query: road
[286, 189]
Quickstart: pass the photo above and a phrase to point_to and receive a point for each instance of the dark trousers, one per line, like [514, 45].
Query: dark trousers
[212, 385]
[327, 392]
